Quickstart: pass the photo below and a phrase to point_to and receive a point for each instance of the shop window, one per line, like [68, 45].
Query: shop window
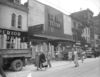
[19, 21]
[13, 21]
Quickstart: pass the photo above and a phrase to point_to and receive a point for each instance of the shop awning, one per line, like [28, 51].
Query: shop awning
[51, 37]
[38, 31]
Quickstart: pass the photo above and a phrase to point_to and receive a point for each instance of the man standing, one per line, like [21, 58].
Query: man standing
[1, 69]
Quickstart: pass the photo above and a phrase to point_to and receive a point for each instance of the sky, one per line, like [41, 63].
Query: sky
[70, 6]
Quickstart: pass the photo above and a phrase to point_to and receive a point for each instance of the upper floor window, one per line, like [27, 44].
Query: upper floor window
[17, 1]
[74, 24]
[11, 0]
[13, 21]
[19, 21]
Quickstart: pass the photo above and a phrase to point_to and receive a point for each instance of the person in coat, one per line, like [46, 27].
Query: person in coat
[37, 60]
[70, 55]
[42, 59]
[49, 59]
[82, 55]
[76, 58]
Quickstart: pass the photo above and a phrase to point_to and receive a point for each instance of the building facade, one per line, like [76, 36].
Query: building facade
[53, 20]
[83, 22]
[96, 20]
[13, 23]
[47, 23]
[36, 13]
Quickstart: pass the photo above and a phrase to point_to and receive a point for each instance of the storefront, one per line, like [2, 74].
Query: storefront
[48, 36]
[48, 41]
[13, 39]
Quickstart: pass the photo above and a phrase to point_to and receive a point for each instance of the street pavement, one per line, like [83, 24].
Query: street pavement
[90, 68]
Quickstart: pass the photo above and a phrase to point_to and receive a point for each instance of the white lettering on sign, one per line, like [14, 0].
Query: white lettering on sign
[8, 32]
[54, 21]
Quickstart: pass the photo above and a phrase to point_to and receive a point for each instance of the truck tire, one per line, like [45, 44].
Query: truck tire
[17, 65]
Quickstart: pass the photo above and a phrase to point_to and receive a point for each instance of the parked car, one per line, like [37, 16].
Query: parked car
[89, 53]
[65, 55]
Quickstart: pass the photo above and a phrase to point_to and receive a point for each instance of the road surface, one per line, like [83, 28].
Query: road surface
[90, 68]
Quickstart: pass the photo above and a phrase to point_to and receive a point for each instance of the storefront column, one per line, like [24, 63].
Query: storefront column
[4, 41]
[0, 41]
[16, 43]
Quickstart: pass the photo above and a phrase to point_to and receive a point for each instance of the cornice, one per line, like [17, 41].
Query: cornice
[13, 5]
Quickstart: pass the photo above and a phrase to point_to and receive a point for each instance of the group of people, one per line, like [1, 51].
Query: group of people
[75, 54]
[42, 60]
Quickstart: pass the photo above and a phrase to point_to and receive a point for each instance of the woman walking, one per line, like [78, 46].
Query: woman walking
[70, 55]
[76, 58]
[49, 59]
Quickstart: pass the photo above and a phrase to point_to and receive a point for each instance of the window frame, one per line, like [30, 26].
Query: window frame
[13, 20]
[20, 21]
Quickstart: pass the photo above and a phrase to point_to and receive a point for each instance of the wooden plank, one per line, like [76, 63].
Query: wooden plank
[15, 52]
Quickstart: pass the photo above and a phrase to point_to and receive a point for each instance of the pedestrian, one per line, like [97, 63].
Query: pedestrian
[49, 59]
[42, 59]
[76, 58]
[37, 60]
[94, 52]
[70, 55]
[82, 55]
[1, 67]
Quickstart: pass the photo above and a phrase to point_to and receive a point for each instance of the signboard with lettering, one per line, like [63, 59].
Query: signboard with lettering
[10, 32]
[53, 22]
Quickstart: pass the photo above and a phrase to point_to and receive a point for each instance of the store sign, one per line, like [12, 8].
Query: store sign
[9, 32]
[54, 21]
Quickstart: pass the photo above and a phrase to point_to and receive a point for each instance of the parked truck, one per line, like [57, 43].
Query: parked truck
[15, 58]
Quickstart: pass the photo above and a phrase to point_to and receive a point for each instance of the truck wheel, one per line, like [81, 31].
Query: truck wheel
[17, 65]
